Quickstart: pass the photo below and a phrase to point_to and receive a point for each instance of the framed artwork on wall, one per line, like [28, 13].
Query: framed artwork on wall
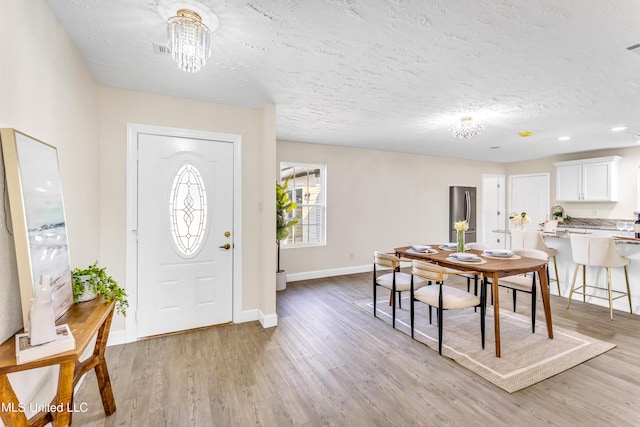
[37, 218]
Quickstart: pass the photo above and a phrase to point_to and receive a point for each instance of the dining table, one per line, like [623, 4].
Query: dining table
[491, 267]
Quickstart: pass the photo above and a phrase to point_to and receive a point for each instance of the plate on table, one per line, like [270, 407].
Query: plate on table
[420, 248]
[500, 253]
[449, 247]
[465, 257]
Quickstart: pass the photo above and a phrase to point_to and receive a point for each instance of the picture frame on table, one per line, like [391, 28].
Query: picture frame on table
[37, 219]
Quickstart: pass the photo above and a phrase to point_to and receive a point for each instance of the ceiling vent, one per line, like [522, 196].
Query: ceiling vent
[635, 48]
[161, 49]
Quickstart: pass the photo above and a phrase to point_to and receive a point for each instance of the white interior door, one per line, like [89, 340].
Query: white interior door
[185, 241]
[530, 194]
[493, 207]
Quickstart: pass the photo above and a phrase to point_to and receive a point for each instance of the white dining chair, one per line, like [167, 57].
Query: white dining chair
[441, 296]
[522, 283]
[533, 239]
[396, 281]
[600, 252]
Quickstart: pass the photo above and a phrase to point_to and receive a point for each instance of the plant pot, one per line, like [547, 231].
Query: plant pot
[88, 293]
[281, 280]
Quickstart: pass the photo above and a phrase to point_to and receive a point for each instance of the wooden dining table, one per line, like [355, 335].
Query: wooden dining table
[493, 268]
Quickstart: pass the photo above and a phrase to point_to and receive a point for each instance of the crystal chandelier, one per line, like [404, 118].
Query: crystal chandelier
[188, 40]
[467, 128]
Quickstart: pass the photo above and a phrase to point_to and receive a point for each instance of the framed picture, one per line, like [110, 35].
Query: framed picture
[37, 218]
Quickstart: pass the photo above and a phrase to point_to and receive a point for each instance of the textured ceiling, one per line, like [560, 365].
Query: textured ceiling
[396, 74]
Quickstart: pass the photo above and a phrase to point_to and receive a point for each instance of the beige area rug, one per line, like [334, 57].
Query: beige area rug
[526, 358]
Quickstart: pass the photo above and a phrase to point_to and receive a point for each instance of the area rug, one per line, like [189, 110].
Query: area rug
[527, 358]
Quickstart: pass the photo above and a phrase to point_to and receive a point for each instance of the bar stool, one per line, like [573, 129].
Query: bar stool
[532, 239]
[597, 251]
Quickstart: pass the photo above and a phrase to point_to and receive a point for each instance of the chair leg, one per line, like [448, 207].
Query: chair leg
[393, 309]
[626, 277]
[400, 300]
[411, 308]
[573, 284]
[440, 330]
[610, 292]
[555, 267]
[430, 318]
[533, 307]
[483, 310]
[584, 283]
[513, 291]
[375, 314]
[468, 283]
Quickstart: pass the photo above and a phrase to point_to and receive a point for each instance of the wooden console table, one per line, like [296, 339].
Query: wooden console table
[85, 320]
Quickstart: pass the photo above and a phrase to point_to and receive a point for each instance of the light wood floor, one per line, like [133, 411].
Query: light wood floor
[330, 363]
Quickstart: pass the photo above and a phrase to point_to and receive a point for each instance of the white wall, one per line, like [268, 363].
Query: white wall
[378, 200]
[48, 93]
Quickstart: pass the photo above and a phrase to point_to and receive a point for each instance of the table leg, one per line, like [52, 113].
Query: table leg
[496, 312]
[65, 394]
[544, 289]
[102, 374]
[11, 412]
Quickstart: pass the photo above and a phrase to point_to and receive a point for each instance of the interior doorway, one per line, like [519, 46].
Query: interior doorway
[493, 210]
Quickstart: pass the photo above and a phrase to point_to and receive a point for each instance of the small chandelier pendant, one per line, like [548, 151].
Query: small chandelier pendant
[467, 128]
[188, 40]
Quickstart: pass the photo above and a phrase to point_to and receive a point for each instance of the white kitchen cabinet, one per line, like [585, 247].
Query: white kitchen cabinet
[587, 180]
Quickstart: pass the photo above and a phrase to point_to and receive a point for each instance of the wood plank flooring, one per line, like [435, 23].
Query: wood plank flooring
[330, 363]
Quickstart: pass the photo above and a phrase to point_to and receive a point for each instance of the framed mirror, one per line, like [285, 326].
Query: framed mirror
[37, 219]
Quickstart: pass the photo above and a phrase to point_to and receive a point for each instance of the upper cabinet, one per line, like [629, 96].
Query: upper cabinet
[587, 180]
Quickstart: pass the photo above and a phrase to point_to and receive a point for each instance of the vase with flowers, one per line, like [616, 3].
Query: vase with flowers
[461, 227]
[519, 219]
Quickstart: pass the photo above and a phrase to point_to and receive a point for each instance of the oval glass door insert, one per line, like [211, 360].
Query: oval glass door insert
[188, 209]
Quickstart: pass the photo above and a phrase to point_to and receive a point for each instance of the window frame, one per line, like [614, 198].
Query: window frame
[321, 206]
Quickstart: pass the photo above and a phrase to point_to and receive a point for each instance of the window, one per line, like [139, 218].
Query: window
[188, 209]
[307, 188]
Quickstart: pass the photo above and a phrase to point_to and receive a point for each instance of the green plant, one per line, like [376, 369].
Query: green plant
[558, 215]
[284, 205]
[95, 278]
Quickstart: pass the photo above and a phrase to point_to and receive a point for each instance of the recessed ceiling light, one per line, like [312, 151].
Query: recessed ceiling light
[564, 138]
[618, 128]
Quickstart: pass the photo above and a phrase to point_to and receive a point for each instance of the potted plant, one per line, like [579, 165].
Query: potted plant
[92, 281]
[284, 205]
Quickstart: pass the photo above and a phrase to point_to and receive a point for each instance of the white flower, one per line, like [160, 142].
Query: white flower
[520, 218]
[461, 225]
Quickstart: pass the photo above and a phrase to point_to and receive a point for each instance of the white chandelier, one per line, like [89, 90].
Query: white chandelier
[467, 128]
[188, 40]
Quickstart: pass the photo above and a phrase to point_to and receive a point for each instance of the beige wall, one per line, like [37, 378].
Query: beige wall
[378, 200]
[628, 183]
[256, 126]
[48, 93]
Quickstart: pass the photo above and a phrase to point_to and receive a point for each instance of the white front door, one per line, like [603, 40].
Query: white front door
[185, 241]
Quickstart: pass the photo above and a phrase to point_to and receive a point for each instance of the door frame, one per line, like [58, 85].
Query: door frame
[131, 252]
[501, 204]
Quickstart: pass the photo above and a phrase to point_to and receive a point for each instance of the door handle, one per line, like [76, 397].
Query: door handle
[225, 246]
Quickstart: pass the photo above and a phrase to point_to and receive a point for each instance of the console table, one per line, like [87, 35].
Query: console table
[85, 320]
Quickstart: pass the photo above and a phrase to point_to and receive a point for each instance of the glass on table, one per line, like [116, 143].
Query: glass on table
[620, 226]
[629, 226]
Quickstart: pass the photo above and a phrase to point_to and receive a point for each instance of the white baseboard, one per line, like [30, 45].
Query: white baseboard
[268, 321]
[250, 315]
[319, 274]
[116, 338]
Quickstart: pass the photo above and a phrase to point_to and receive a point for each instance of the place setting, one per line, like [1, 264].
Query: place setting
[466, 258]
[500, 254]
[450, 247]
[422, 249]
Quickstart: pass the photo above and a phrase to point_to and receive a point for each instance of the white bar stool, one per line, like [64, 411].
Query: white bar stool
[597, 251]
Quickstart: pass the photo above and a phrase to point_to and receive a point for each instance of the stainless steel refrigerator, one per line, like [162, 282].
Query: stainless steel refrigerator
[462, 205]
